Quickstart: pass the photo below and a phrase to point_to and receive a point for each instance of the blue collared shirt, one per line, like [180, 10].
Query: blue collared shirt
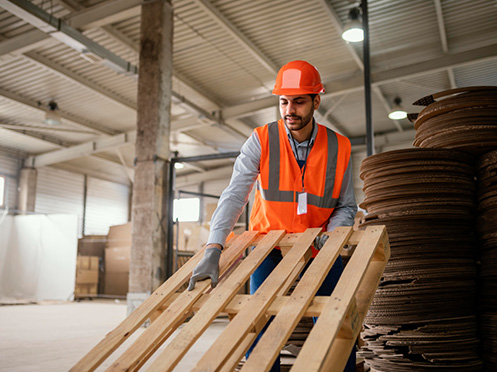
[245, 172]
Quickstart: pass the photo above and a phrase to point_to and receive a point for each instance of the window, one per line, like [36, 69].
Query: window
[187, 210]
[3, 182]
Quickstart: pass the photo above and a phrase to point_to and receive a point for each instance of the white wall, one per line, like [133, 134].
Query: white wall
[107, 204]
[61, 191]
[38, 257]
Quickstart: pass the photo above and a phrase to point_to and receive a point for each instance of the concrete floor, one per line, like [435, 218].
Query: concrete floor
[54, 336]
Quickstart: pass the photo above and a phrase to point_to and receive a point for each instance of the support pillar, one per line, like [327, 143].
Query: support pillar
[150, 196]
[27, 190]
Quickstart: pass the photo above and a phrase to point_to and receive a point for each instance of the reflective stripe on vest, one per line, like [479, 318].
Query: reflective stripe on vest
[273, 193]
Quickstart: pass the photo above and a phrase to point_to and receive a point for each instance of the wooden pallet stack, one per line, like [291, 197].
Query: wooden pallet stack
[328, 344]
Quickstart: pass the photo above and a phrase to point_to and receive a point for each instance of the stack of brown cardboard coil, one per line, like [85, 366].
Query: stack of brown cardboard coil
[432, 299]
[487, 233]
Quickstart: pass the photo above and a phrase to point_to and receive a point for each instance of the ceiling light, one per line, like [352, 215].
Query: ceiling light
[179, 165]
[52, 116]
[397, 112]
[353, 31]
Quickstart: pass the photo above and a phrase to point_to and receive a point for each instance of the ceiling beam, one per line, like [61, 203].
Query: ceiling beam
[28, 161]
[222, 21]
[66, 34]
[380, 77]
[452, 78]
[441, 26]
[81, 19]
[103, 175]
[67, 74]
[76, 121]
[37, 139]
[104, 14]
[437, 64]
[197, 178]
[86, 17]
[106, 144]
[84, 149]
[23, 42]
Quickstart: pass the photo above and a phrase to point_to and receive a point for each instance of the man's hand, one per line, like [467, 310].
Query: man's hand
[208, 267]
[319, 241]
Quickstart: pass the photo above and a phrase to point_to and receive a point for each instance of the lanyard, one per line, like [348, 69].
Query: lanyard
[306, 155]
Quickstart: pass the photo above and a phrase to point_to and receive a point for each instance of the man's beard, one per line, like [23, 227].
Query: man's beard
[303, 120]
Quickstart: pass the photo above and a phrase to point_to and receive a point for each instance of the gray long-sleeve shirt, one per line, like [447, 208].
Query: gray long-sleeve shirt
[245, 172]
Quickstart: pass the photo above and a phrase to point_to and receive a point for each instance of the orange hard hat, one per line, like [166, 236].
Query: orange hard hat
[298, 77]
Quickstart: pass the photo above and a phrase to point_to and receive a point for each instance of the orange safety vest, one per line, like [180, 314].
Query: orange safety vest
[280, 180]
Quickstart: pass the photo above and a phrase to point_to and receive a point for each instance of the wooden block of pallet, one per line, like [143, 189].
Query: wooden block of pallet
[329, 343]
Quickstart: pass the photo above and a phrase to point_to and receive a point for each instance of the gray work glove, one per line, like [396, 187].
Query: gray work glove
[208, 267]
[319, 241]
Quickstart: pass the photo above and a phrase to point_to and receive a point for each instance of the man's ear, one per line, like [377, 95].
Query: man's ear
[317, 101]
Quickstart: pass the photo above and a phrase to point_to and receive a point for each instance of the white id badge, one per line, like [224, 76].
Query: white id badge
[302, 205]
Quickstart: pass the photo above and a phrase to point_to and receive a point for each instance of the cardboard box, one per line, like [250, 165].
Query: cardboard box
[92, 245]
[119, 235]
[197, 238]
[116, 284]
[87, 263]
[85, 290]
[209, 211]
[117, 259]
[87, 275]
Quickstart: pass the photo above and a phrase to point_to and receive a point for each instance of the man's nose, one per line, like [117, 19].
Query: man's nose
[290, 108]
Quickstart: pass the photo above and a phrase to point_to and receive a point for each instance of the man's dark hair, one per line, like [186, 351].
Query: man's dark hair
[312, 96]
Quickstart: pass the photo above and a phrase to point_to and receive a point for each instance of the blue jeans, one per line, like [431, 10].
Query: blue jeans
[263, 271]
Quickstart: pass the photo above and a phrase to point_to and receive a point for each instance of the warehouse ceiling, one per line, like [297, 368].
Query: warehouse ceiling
[226, 55]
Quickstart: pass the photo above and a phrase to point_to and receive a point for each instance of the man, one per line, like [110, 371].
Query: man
[303, 176]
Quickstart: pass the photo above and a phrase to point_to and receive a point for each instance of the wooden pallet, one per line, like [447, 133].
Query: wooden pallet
[328, 344]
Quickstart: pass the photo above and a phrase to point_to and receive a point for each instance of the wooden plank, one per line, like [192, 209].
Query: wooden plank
[229, 340]
[220, 297]
[325, 332]
[341, 346]
[116, 337]
[240, 300]
[290, 239]
[364, 296]
[242, 349]
[153, 337]
[280, 329]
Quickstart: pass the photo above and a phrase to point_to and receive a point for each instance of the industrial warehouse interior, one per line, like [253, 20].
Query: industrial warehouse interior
[120, 123]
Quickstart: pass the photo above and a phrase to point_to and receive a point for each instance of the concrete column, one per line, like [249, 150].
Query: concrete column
[149, 201]
[27, 190]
